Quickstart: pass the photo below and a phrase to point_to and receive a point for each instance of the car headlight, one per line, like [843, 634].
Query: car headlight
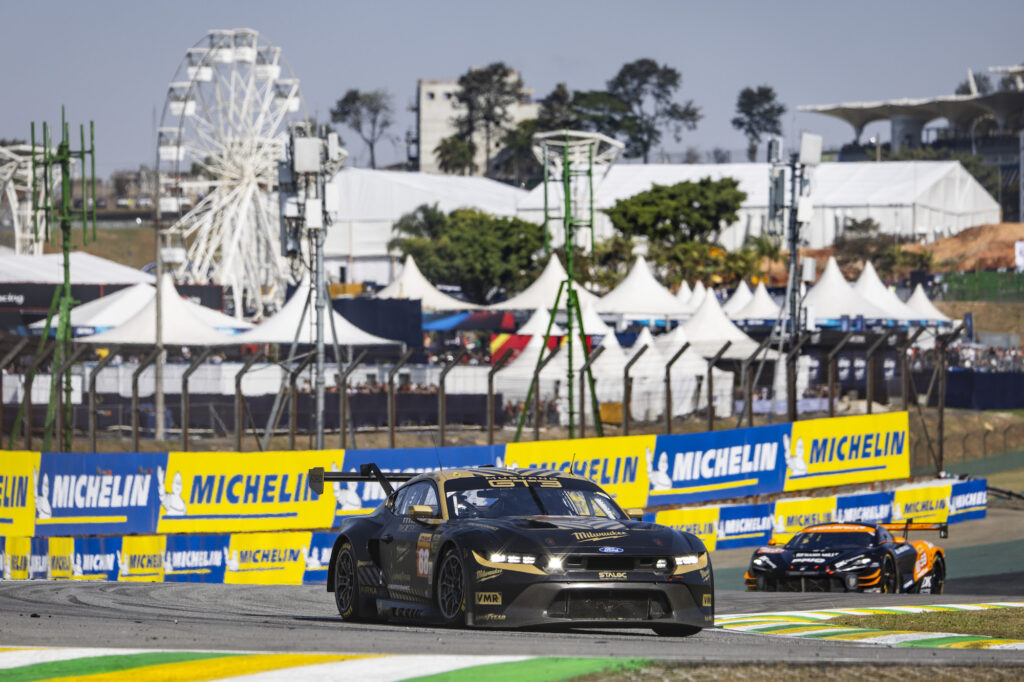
[853, 564]
[527, 559]
[554, 563]
[686, 560]
[762, 562]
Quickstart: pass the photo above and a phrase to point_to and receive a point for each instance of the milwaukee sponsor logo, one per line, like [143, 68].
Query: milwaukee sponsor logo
[106, 491]
[250, 489]
[872, 512]
[866, 446]
[192, 559]
[697, 465]
[95, 563]
[269, 556]
[13, 491]
[754, 524]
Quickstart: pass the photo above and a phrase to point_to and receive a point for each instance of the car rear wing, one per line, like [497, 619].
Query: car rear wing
[368, 472]
[909, 525]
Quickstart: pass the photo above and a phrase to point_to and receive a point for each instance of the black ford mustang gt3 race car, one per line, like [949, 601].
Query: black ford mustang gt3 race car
[492, 547]
[851, 557]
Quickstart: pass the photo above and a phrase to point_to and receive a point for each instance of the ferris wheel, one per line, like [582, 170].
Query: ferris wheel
[223, 130]
[28, 224]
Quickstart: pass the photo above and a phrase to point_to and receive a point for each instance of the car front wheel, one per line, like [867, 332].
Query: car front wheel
[890, 581]
[451, 589]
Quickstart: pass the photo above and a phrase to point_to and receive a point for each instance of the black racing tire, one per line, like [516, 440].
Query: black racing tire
[346, 585]
[451, 591]
[890, 580]
[938, 575]
[676, 630]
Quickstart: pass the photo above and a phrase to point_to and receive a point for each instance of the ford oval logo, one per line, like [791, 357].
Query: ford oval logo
[611, 550]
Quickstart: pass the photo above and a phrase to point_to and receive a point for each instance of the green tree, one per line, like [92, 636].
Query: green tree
[757, 113]
[863, 241]
[471, 249]
[455, 155]
[516, 162]
[685, 212]
[557, 111]
[981, 80]
[369, 114]
[484, 98]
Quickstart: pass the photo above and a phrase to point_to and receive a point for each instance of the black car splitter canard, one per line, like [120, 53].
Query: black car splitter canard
[510, 548]
[851, 557]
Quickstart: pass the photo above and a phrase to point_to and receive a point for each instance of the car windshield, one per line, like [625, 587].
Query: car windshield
[491, 498]
[830, 540]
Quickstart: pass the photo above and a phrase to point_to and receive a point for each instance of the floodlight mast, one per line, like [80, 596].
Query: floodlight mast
[572, 155]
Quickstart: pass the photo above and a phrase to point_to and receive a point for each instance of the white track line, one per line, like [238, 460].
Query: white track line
[30, 656]
[377, 669]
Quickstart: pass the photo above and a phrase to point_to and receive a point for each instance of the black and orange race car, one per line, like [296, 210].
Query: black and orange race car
[511, 548]
[851, 557]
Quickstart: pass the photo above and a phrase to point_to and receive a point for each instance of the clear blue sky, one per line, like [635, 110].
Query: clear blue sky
[111, 61]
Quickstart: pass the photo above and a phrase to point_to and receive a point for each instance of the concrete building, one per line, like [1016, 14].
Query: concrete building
[436, 109]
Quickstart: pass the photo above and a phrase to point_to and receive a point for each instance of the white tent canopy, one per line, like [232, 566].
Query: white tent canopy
[542, 292]
[182, 326]
[688, 373]
[641, 296]
[282, 327]
[85, 268]
[760, 307]
[685, 292]
[739, 298]
[870, 288]
[697, 297]
[538, 325]
[412, 284]
[112, 310]
[925, 309]
[365, 204]
[912, 198]
[710, 328]
[832, 297]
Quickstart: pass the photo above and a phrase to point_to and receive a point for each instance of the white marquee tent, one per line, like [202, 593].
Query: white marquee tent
[926, 199]
[832, 297]
[759, 309]
[697, 297]
[871, 288]
[542, 292]
[688, 375]
[640, 296]
[412, 284]
[925, 309]
[684, 292]
[741, 297]
[709, 329]
[538, 325]
[85, 269]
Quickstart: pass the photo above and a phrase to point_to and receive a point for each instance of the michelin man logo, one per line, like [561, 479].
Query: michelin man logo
[659, 478]
[42, 494]
[794, 454]
[779, 526]
[230, 559]
[171, 502]
[897, 511]
[346, 494]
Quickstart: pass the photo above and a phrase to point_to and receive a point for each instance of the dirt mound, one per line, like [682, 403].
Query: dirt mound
[983, 247]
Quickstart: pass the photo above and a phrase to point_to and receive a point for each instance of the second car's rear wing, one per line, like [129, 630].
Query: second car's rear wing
[909, 525]
[367, 472]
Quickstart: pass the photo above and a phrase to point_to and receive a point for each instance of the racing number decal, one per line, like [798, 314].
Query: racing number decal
[423, 555]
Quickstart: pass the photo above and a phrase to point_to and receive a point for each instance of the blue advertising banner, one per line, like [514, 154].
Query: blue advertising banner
[744, 525]
[98, 493]
[196, 558]
[968, 500]
[97, 558]
[318, 558]
[869, 507]
[697, 467]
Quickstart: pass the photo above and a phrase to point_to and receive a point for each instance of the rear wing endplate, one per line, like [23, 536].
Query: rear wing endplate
[368, 472]
[909, 525]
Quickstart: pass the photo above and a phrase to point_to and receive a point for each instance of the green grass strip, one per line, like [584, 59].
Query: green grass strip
[100, 664]
[536, 670]
[940, 641]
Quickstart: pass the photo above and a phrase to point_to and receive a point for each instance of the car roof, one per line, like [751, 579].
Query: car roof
[442, 475]
[855, 527]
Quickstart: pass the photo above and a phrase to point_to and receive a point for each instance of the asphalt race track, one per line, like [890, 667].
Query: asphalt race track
[246, 618]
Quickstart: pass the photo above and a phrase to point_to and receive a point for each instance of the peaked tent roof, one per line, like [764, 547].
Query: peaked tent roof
[281, 327]
[85, 269]
[925, 309]
[115, 309]
[593, 325]
[689, 363]
[652, 362]
[832, 297]
[541, 293]
[710, 328]
[524, 364]
[182, 326]
[641, 295]
[871, 288]
[697, 297]
[412, 284]
[538, 325]
[760, 307]
[739, 298]
[685, 292]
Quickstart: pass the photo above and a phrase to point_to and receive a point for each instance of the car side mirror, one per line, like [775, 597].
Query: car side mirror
[635, 513]
[772, 542]
[899, 540]
[421, 511]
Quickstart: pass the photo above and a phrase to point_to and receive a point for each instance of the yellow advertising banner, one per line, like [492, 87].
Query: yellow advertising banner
[142, 558]
[19, 551]
[847, 450]
[701, 521]
[922, 504]
[216, 492]
[20, 487]
[267, 558]
[792, 516]
[620, 465]
[62, 558]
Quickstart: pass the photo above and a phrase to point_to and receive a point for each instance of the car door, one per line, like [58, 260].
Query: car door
[408, 541]
[396, 577]
[904, 552]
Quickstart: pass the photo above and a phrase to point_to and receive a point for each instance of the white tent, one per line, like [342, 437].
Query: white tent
[710, 328]
[541, 293]
[282, 327]
[697, 297]
[648, 375]
[832, 297]
[760, 309]
[685, 292]
[593, 325]
[925, 309]
[365, 204]
[870, 288]
[538, 325]
[513, 380]
[181, 325]
[738, 300]
[688, 373]
[412, 284]
[926, 199]
[606, 370]
[107, 312]
[85, 268]
[641, 296]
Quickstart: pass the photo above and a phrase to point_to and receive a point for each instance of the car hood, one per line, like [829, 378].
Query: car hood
[586, 534]
[814, 559]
